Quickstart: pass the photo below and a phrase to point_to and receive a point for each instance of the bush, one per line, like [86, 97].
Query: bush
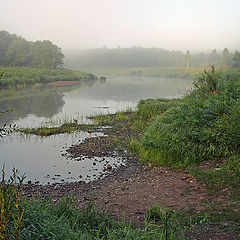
[204, 126]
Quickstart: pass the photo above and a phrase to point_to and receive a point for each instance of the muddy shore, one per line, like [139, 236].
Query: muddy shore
[132, 188]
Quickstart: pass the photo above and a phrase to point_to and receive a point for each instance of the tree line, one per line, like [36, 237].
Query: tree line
[148, 57]
[17, 51]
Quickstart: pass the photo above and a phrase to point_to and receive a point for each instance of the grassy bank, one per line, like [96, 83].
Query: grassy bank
[42, 219]
[199, 132]
[25, 76]
[169, 72]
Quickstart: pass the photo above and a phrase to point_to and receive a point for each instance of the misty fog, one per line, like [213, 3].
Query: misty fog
[174, 25]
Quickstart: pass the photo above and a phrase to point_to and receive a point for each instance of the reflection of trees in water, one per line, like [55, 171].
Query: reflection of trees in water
[42, 106]
[44, 101]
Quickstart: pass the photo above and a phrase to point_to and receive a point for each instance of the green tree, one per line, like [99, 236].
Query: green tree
[214, 57]
[236, 58]
[45, 54]
[18, 53]
[225, 56]
[5, 40]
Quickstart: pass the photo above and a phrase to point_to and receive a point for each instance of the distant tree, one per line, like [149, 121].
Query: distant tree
[187, 57]
[236, 58]
[5, 40]
[17, 53]
[214, 57]
[225, 56]
[44, 54]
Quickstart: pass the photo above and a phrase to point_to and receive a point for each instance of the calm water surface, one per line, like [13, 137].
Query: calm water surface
[44, 159]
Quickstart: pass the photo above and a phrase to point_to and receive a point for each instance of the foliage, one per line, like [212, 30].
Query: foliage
[208, 80]
[225, 56]
[67, 127]
[5, 130]
[16, 51]
[11, 208]
[172, 221]
[23, 76]
[44, 220]
[205, 125]
[236, 58]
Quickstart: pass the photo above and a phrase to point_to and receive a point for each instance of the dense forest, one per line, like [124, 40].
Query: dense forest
[148, 57]
[16, 51]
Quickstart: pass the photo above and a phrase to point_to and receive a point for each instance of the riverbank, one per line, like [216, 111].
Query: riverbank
[191, 73]
[28, 76]
[134, 188]
[190, 151]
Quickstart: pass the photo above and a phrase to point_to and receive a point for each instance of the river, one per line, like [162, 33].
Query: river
[43, 159]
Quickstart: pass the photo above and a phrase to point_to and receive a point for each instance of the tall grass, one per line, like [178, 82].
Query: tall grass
[11, 209]
[44, 220]
[204, 126]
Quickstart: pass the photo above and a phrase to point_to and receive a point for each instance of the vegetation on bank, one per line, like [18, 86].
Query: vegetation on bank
[25, 76]
[168, 72]
[198, 133]
[17, 51]
[204, 126]
[67, 127]
[41, 219]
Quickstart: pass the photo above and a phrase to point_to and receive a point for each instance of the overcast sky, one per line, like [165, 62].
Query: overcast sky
[170, 24]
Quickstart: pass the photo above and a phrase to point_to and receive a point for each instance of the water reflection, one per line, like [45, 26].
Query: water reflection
[44, 159]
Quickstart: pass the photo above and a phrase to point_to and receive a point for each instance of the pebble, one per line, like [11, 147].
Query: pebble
[109, 166]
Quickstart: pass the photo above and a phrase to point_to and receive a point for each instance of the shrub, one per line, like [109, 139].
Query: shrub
[205, 125]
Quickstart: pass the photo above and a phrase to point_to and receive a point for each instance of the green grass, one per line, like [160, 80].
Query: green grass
[44, 220]
[25, 76]
[201, 127]
[67, 127]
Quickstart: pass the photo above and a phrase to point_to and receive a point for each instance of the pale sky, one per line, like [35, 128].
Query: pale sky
[171, 24]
